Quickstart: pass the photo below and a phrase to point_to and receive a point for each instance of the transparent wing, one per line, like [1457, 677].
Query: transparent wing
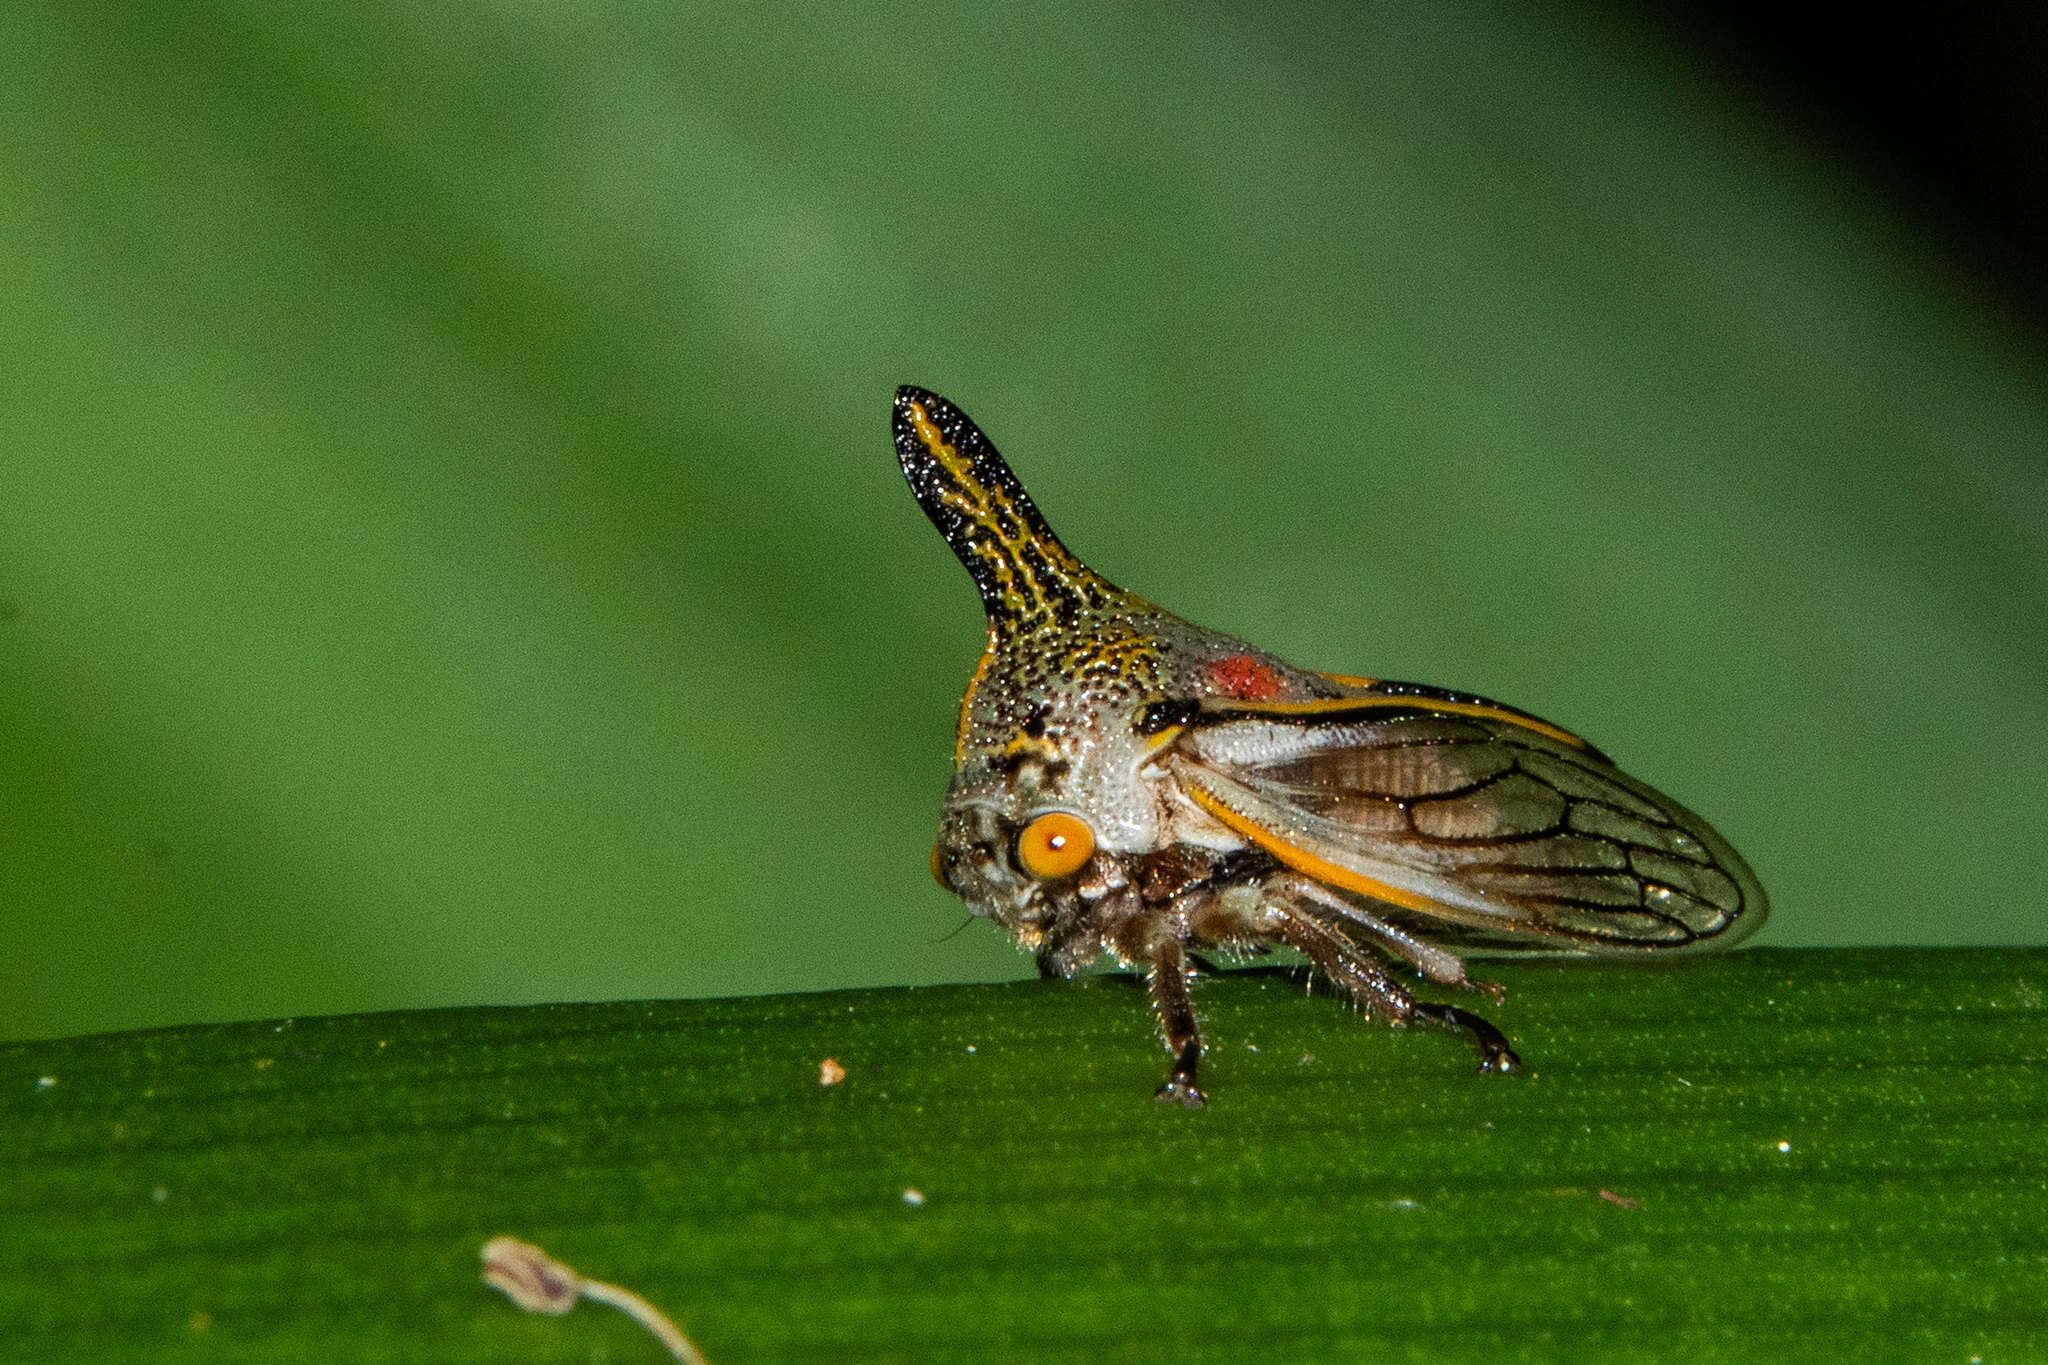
[1504, 829]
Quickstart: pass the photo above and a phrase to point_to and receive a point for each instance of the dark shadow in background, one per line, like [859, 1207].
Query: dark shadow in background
[1946, 108]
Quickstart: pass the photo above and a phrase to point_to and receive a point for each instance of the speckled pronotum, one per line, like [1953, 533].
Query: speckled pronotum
[1126, 782]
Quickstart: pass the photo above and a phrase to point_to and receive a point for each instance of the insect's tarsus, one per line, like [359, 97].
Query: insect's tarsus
[1179, 1086]
[1495, 1056]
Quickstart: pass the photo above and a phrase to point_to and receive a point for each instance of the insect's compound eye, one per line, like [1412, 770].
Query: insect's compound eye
[1055, 845]
[939, 868]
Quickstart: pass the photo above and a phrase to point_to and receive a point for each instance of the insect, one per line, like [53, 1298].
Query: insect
[1127, 782]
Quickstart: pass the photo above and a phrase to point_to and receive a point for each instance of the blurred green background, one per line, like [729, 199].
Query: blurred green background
[451, 550]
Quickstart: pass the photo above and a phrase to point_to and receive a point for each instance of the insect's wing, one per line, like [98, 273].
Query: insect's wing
[1505, 830]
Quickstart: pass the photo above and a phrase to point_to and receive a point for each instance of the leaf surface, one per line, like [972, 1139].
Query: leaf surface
[1772, 1156]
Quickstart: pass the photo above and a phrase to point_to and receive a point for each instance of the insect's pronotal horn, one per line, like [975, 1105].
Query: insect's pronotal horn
[1026, 577]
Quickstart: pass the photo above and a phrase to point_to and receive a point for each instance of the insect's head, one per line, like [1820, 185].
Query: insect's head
[1045, 794]
[1043, 788]
[1028, 871]
[1057, 799]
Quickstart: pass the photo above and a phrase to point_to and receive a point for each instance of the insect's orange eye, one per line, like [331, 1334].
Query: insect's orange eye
[939, 868]
[1055, 845]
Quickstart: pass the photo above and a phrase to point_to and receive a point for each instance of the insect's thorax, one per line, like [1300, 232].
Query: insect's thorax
[1050, 723]
[1059, 717]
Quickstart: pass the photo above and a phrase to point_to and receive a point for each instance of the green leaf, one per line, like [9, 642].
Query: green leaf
[1773, 1156]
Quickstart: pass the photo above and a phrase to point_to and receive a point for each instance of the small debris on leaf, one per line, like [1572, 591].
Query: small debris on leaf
[538, 1283]
[830, 1072]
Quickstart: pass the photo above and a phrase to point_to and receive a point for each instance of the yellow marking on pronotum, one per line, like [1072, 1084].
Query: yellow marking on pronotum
[934, 441]
[1308, 864]
[1023, 745]
[1118, 652]
[962, 469]
[988, 656]
[985, 506]
[1406, 703]
[1351, 680]
[949, 456]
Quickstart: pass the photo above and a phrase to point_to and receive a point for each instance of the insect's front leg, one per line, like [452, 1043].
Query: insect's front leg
[1167, 978]
[1067, 948]
[1153, 931]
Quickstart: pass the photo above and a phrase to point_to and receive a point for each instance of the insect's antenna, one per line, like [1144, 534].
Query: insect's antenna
[957, 931]
[1028, 580]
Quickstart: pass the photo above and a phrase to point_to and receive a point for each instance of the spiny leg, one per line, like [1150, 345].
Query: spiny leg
[1338, 958]
[1168, 982]
[1438, 964]
[1494, 1053]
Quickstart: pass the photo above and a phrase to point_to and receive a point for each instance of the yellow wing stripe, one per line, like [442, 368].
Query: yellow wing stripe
[1308, 864]
[1405, 703]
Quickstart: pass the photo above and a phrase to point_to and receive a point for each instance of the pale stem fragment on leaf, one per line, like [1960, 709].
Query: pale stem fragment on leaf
[538, 1283]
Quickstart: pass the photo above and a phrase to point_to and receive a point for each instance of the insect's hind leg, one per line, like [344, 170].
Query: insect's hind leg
[1494, 1053]
[1438, 964]
[1167, 980]
[1339, 958]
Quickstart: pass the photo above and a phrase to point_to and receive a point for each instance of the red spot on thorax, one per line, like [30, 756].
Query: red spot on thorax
[1246, 678]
